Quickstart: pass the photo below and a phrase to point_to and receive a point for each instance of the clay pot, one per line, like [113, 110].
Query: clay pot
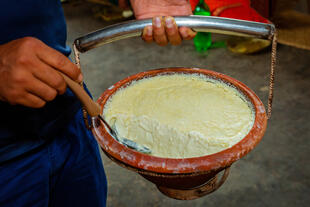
[187, 178]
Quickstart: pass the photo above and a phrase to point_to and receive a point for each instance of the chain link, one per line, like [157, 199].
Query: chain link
[272, 73]
[78, 64]
[271, 80]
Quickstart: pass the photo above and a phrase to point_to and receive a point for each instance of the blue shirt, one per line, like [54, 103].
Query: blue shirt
[24, 129]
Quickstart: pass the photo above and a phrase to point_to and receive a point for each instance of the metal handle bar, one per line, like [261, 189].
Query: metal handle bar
[198, 23]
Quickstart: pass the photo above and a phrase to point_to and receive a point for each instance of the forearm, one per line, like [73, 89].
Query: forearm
[150, 8]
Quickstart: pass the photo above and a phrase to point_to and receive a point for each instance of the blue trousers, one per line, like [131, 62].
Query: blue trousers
[67, 171]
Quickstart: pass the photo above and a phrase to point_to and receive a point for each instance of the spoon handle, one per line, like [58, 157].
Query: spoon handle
[92, 108]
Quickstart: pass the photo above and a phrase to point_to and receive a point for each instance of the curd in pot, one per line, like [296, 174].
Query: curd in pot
[180, 115]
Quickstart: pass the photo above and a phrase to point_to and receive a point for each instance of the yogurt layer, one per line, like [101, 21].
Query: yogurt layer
[180, 115]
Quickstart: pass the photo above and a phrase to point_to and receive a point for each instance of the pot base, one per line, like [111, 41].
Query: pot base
[190, 194]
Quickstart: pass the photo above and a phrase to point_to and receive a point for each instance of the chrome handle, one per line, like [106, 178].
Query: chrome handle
[198, 23]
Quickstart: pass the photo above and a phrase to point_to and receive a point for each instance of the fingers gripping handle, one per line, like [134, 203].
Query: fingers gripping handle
[198, 23]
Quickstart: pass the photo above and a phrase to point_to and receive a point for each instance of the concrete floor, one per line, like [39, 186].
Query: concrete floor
[275, 173]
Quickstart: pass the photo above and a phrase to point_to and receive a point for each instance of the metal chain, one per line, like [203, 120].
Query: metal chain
[272, 73]
[78, 64]
[271, 80]
[77, 56]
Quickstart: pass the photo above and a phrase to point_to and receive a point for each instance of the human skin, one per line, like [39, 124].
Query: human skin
[29, 72]
[164, 28]
[29, 69]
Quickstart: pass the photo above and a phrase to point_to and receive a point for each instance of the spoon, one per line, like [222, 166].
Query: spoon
[93, 109]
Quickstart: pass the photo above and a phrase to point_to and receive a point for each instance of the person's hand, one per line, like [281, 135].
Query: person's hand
[28, 72]
[164, 30]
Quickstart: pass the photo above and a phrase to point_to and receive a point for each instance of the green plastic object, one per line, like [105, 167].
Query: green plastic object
[202, 40]
[202, 9]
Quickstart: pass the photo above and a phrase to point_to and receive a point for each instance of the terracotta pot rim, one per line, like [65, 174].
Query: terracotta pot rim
[205, 163]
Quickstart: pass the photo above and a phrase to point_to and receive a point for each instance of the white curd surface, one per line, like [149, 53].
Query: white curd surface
[180, 115]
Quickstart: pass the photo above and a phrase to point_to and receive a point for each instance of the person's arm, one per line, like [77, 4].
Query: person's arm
[164, 28]
[29, 72]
